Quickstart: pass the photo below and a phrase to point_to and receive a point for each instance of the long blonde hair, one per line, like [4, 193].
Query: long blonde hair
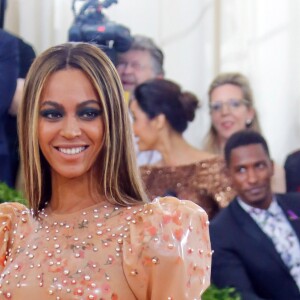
[115, 171]
[211, 141]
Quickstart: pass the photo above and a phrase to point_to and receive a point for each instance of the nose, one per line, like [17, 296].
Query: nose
[71, 128]
[225, 109]
[252, 176]
[124, 67]
[127, 68]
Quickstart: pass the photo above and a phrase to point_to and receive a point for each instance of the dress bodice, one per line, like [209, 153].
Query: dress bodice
[151, 251]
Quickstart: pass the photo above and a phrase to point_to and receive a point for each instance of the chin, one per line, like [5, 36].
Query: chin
[142, 147]
[72, 173]
[258, 202]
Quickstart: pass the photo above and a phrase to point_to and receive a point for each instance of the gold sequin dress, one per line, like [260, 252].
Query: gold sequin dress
[157, 251]
[203, 182]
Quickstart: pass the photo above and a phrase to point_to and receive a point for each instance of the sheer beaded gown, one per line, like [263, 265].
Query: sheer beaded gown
[105, 252]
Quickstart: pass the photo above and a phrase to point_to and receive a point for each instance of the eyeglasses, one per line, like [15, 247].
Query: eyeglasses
[232, 105]
[133, 64]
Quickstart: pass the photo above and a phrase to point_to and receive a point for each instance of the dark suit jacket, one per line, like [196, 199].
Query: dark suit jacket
[245, 257]
[292, 172]
[8, 77]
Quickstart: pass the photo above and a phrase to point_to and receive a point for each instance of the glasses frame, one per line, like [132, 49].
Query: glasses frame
[232, 104]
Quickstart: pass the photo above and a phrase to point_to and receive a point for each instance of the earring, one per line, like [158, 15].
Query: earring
[248, 123]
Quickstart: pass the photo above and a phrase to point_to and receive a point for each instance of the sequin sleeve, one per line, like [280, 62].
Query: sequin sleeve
[167, 254]
[8, 219]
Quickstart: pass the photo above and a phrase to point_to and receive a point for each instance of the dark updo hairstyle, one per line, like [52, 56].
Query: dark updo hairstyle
[161, 96]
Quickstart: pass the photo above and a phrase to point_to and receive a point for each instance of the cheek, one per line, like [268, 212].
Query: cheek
[97, 133]
[241, 117]
[144, 76]
[215, 119]
[45, 133]
[238, 181]
[140, 127]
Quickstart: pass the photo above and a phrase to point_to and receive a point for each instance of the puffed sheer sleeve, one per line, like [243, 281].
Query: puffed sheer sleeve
[9, 219]
[167, 254]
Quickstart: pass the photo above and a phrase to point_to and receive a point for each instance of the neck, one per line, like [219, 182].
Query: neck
[71, 195]
[221, 142]
[176, 151]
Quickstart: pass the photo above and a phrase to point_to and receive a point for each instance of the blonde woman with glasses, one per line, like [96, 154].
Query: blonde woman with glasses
[232, 109]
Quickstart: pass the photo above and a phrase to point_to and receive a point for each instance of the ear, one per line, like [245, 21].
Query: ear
[250, 114]
[273, 167]
[159, 121]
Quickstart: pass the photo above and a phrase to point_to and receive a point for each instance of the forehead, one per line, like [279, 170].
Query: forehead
[68, 84]
[141, 56]
[246, 155]
[226, 91]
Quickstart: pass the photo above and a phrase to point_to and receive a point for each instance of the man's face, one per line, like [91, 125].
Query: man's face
[135, 67]
[250, 170]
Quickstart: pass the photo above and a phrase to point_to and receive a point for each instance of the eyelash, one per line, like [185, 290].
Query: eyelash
[85, 114]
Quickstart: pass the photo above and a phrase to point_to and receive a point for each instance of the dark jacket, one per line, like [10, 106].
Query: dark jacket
[8, 78]
[292, 172]
[245, 257]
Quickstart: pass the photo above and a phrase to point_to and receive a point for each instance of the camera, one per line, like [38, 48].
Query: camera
[92, 26]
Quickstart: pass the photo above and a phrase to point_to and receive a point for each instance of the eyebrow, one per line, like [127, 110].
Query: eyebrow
[59, 106]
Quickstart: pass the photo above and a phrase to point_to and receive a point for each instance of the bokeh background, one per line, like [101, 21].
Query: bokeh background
[200, 38]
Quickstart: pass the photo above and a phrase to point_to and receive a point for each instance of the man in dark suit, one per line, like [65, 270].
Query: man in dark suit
[8, 79]
[256, 238]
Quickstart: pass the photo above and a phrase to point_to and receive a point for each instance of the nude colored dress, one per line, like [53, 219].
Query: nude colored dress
[154, 251]
[203, 182]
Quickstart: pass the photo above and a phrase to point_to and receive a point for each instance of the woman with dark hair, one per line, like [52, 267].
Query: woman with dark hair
[89, 232]
[161, 113]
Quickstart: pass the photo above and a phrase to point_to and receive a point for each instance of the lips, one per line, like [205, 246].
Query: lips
[227, 124]
[255, 190]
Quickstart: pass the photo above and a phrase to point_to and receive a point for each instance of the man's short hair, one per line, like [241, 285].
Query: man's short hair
[147, 44]
[244, 138]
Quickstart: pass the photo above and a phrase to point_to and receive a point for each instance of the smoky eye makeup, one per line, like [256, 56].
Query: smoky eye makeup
[51, 113]
[51, 110]
[89, 113]
[87, 110]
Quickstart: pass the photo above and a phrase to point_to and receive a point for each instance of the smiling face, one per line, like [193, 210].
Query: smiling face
[144, 128]
[70, 126]
[250, 170]
[231, 117]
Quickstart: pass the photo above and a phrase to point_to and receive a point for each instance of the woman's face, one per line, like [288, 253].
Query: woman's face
[229, 112]
[144, 128]
[70, 128]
